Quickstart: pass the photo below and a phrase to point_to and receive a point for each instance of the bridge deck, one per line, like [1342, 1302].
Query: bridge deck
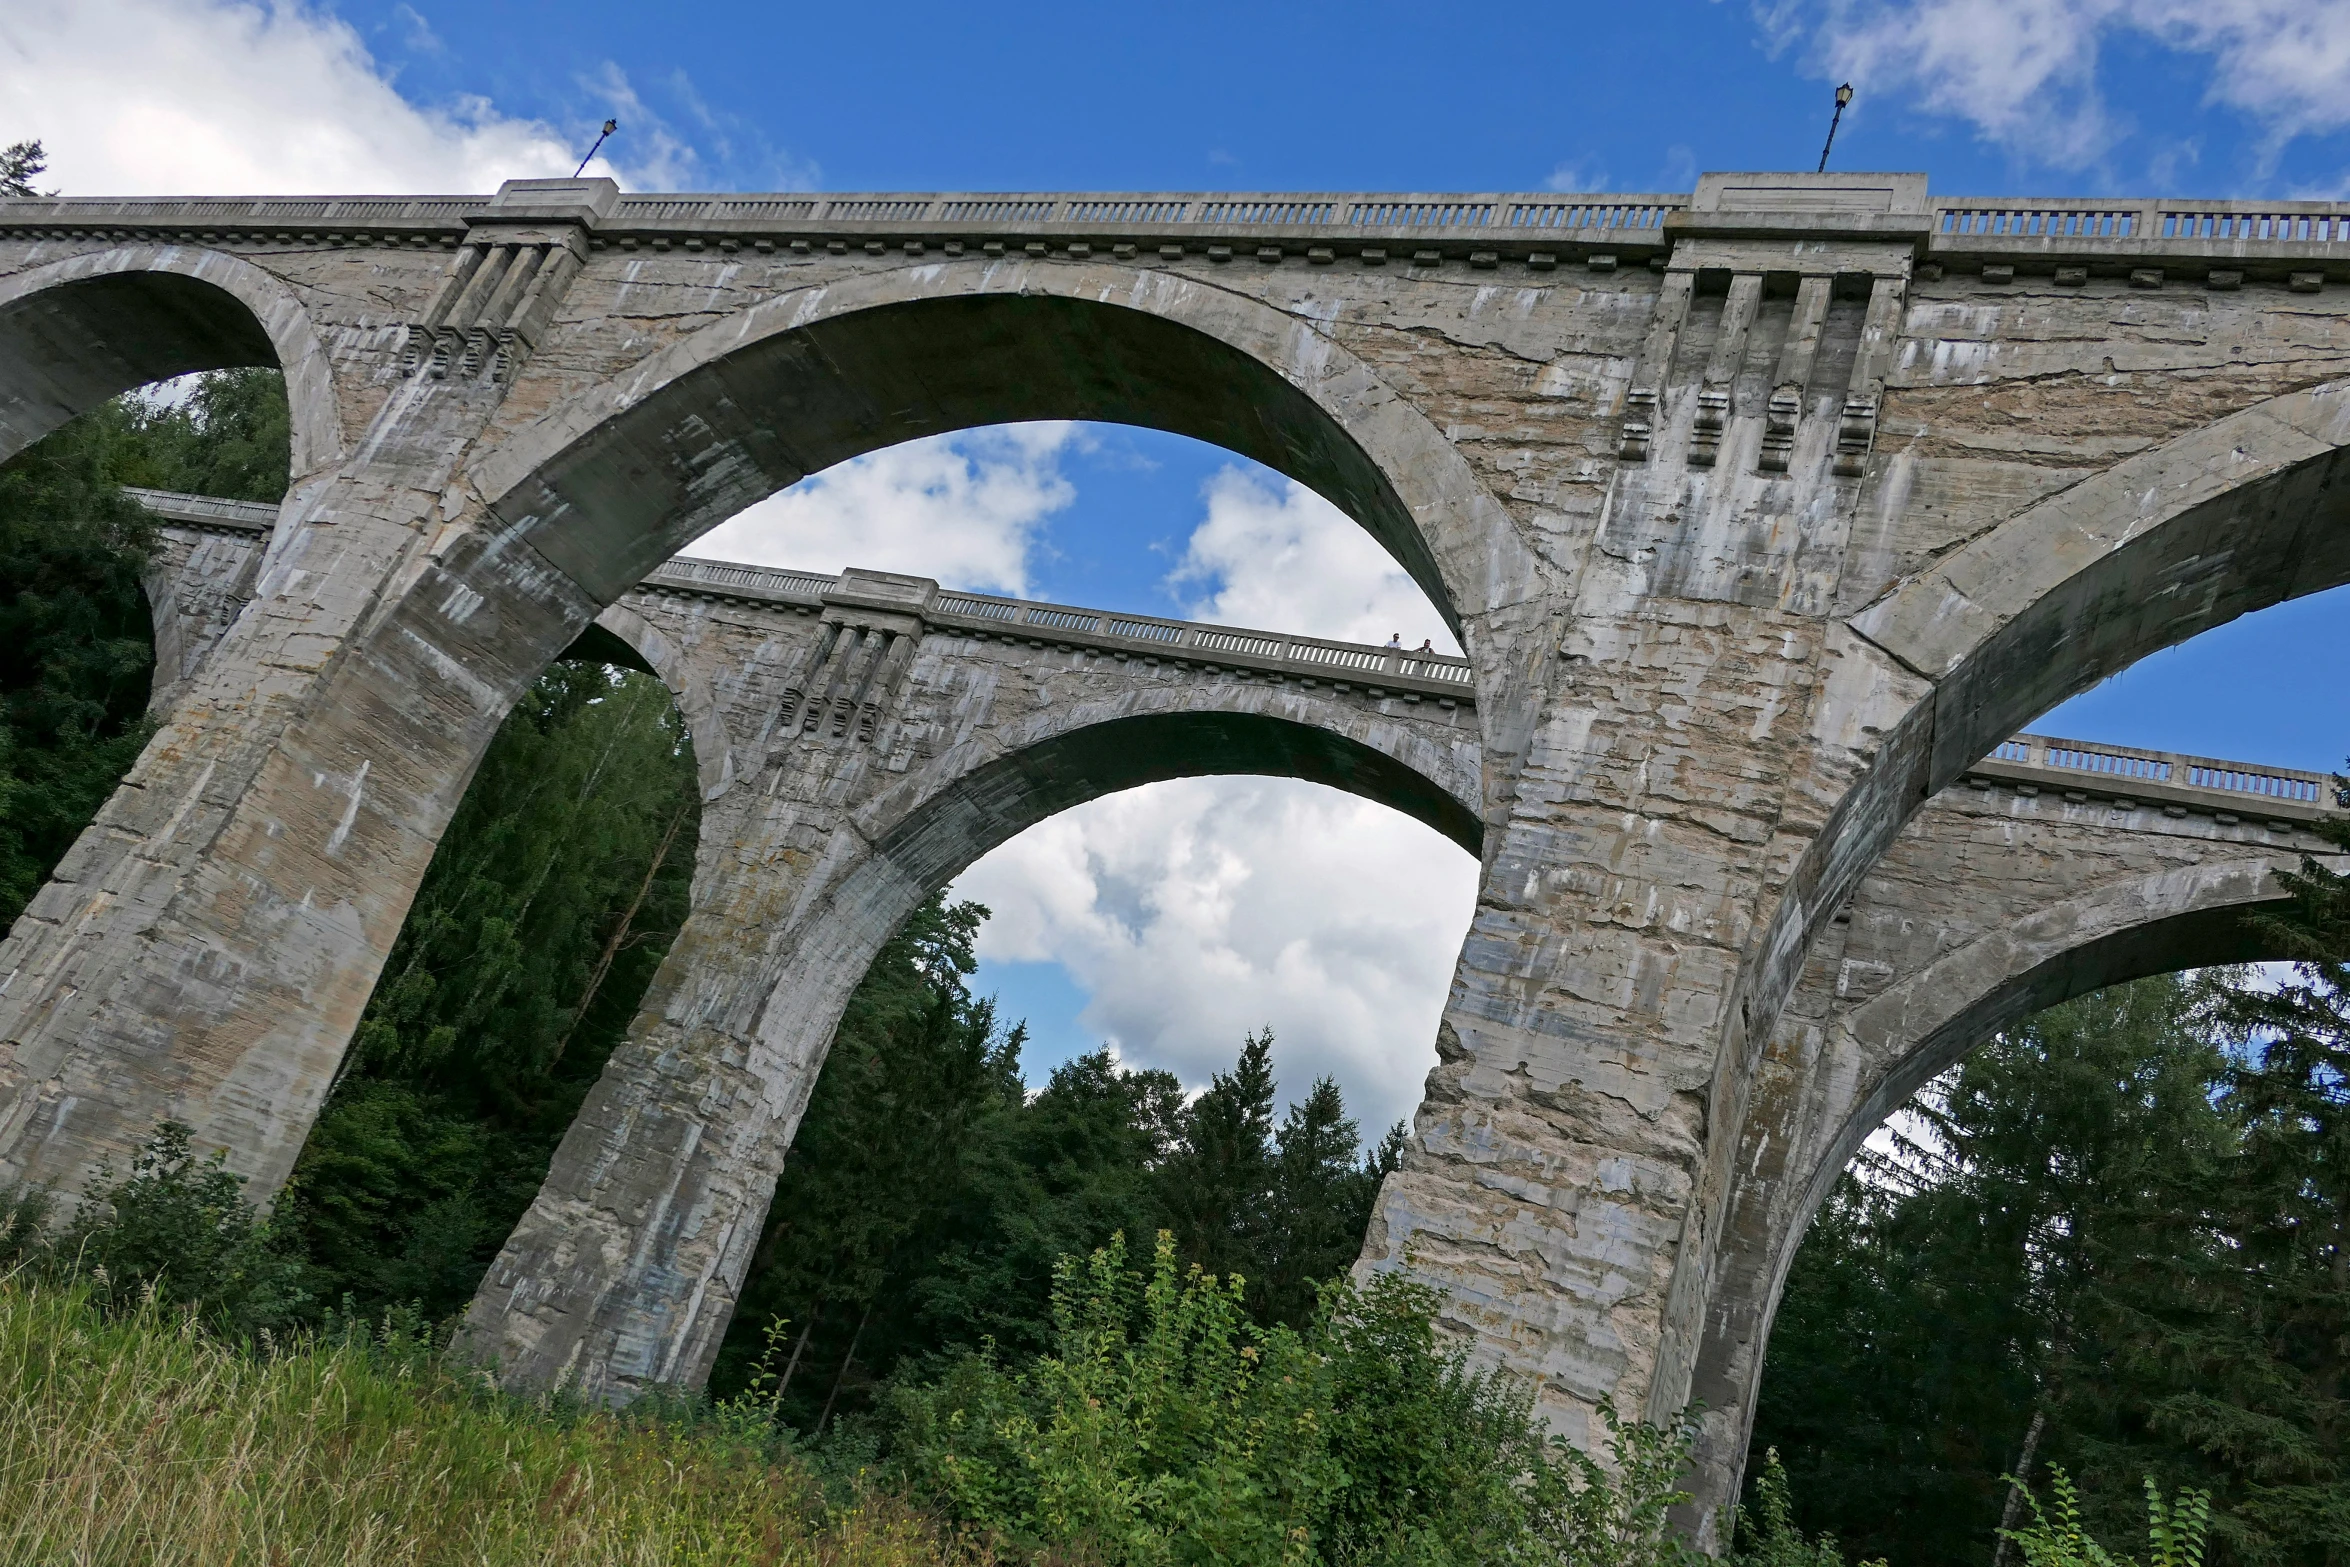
[2308, 241]
[2029, 763]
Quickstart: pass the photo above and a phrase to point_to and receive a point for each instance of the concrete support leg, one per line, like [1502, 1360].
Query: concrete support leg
[625, 1271]
[206, 948]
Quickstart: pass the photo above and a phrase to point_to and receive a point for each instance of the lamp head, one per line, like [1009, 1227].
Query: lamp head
[1844, 95]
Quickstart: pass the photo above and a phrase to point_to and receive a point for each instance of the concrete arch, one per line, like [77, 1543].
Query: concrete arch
[2240, 514]
[76, 332]
[600, 1283]
[1824, 1089]
[2234, 516]
[978, 795]
[620, 477]
[620, 635]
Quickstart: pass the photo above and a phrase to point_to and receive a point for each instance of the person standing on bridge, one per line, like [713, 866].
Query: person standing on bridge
[1395, 641]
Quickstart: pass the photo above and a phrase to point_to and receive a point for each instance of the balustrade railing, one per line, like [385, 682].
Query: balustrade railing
[1146, 635]
[2111, 770]
[1517, 222]
[2118, 770]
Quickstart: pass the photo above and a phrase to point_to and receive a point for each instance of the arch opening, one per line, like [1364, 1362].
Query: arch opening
[550, 901]
[1834, 1077]
[110, 604]
[608, 487]
[1942, 1291]
[77, 332]
[961, 1127]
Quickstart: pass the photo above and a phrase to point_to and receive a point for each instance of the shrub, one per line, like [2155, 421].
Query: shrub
[178, 1229]
[1166, 1428]
[2176, 1529]
[1775, 1540]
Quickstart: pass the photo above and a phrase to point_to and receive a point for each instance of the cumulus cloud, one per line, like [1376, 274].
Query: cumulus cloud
[136, 97]
[146, 97]
[1192, 912]
[968, 509]
[2025, 72]
[1272, 553]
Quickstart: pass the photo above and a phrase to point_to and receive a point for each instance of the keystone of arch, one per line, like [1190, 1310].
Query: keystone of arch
[285, 332]
[1470, 559]
[2240, 514]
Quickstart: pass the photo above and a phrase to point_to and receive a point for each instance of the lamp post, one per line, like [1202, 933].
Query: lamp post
[612, 125]
[1843, 97]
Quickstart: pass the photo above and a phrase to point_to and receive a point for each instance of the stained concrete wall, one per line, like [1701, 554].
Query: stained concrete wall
[879, 758]
[1753, 551]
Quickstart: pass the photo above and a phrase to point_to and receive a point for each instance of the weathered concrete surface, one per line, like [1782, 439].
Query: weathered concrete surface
[878, 758]
[1991, 905]
[1753, 549]
[861, 741]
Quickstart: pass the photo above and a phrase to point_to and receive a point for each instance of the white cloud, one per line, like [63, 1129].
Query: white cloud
[1275, 555]
[2025, 72]
[967, 509]
[1582, 175]
[149, 97]
[1194, 911]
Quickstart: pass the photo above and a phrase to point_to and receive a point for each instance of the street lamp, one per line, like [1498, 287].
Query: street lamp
[612, 125]
[1843, 97]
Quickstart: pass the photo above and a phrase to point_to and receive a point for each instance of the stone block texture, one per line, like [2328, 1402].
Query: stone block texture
[1763, 517]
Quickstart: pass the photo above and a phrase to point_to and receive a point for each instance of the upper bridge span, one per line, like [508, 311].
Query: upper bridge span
[1764, 514]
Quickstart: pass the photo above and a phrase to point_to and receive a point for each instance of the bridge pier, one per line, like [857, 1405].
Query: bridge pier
[1764, 513]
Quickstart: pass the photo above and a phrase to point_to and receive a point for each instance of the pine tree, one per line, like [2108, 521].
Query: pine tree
[1218, 1189]
[552, 897]
[73, 613]
[20, 164]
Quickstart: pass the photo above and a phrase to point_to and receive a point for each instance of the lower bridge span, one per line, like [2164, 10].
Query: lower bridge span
[864, 738]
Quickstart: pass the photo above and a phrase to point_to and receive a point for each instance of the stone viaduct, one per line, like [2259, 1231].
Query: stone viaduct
[1766, 515]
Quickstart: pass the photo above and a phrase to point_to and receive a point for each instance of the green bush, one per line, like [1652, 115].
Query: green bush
[1774, 1539]
[1167, 1428]
[178, 1230]
[2175, 1529]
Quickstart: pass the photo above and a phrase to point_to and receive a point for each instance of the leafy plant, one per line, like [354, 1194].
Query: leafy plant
[1166, 1427]
[2175, 1528]
[180, 1230]
[1775, 1539]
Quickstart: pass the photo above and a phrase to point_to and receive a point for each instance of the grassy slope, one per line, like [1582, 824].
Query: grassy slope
[144, 1440]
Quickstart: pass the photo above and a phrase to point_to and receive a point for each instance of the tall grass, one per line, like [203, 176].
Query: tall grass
[137, 1437]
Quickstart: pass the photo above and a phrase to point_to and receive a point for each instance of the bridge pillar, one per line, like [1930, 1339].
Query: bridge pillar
[624, 1272]
[204, 950]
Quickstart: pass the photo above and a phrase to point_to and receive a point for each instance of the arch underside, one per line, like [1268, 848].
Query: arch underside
[2194, 938]
[642, 481]
[2233, 517]
[1003, 798]
[71, 347]
[1817, 1104]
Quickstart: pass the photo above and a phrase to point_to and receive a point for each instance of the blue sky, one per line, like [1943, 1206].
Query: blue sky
[2081, 97]
[1168, 920]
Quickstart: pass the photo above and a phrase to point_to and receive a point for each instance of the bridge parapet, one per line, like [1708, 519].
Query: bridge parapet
[1444, 677]
[1311, 660]
[2175, 781]
[2216, 243]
